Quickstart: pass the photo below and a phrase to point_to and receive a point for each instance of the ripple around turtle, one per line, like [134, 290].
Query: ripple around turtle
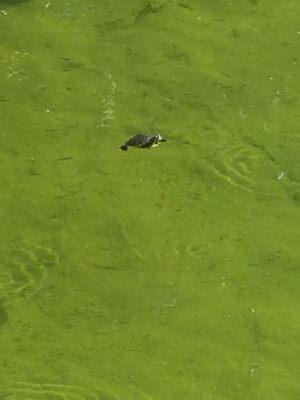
[22, 276]
[58, 391]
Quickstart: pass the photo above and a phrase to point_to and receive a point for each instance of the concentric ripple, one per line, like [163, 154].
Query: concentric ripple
[244, 166]
[24, 273]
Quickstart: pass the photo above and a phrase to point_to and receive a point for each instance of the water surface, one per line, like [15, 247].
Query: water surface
[163, 274]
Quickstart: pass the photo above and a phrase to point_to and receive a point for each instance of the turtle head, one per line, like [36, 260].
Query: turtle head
[124, 147]
[160, 138]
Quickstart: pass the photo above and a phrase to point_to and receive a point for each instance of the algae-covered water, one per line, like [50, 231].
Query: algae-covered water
[164, 274]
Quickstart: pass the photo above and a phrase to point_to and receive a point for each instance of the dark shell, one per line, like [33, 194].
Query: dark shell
[143, 141]
[139, 140]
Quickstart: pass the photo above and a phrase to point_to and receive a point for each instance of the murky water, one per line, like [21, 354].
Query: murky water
[169, 273]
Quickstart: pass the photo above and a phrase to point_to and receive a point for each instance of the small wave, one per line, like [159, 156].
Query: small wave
[22, 276]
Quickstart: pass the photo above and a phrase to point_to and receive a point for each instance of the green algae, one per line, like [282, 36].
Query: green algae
[162, 274]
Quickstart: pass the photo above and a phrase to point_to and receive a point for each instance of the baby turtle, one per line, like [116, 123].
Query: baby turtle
[143, 141]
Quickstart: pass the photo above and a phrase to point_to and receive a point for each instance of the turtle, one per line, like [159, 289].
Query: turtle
[143, 141]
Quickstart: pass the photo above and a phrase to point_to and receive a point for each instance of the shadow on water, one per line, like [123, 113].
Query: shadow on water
[151, 7]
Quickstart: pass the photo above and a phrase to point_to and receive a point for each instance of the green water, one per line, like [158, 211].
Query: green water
[164, 274]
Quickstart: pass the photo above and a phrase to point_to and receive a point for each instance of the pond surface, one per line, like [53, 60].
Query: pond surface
[170, 273]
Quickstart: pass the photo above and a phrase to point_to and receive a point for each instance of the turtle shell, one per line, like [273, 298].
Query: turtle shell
[140, 140]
